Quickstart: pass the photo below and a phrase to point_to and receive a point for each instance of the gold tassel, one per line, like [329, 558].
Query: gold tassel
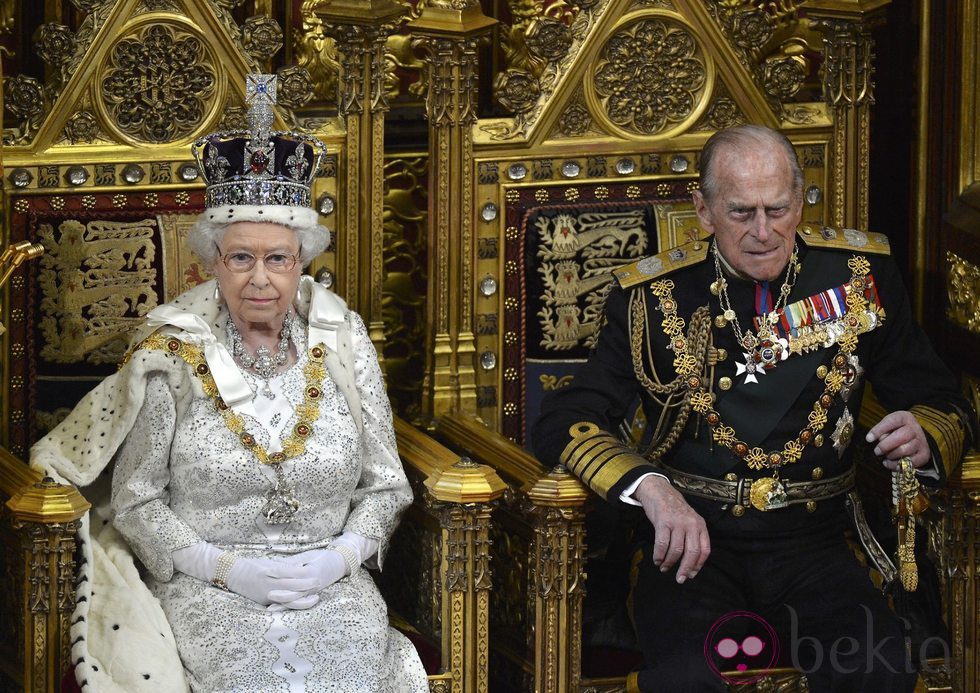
[906, 506]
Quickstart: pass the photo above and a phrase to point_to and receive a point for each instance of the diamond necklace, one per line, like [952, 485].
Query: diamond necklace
[763, 350]
[263, 363]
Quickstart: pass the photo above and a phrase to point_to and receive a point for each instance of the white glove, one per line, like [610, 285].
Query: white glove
[261, 580]
[323, 566]
[198, 560]
[257, 579]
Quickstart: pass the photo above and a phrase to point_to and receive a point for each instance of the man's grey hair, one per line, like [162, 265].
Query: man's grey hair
[745, 137]
[206, 235]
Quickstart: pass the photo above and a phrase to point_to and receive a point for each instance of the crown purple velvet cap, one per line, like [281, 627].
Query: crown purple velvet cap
[258, 167]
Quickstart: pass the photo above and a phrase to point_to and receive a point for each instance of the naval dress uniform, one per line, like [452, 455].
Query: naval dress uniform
[752, 418]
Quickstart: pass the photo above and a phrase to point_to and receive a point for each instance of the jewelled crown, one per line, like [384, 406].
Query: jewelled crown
[258, 166]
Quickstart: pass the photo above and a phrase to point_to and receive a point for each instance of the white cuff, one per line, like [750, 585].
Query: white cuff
[627, 495]
[930, 470]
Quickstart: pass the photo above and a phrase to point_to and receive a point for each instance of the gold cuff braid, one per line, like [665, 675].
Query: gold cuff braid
[945, 429]
[598, 458]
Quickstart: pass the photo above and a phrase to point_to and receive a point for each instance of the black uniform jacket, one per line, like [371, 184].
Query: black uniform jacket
[895, 357]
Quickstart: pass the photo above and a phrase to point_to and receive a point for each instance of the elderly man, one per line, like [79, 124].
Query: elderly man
[747, 351]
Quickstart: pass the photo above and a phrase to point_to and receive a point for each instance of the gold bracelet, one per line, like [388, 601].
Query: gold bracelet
[225, 561]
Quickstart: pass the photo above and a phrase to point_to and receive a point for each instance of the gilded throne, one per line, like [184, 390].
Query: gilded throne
[100, 175]
[588, 155]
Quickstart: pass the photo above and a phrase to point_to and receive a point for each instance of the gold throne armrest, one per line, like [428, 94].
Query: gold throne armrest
[40, 521]
[539, 551]
[442, 549]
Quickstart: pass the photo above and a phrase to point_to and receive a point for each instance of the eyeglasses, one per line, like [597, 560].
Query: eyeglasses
[240, 262]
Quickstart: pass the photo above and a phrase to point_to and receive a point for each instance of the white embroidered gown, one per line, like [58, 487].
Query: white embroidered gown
[182, 476]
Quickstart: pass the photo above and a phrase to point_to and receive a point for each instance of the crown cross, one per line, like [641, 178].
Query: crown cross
[260, 93]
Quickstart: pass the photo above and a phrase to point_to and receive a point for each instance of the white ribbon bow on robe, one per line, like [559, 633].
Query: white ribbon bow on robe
[231, 384]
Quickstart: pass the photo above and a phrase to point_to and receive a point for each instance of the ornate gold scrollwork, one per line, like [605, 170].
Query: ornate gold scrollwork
[963, 289]
[557, 501]
[317, 53]
[463, 496]
[82, 127]
[784, 74]
[415, 592]
[440, 685]
[575, 120]
[539, 45]
[146, 6]
[362, 102]
[45, 519]
[355, 43]
[261, 37]
[548, 38]
[295, 87]
[23, 96]
[539, 34]
[517, 90]
[222, 9]
[513, 36]
[651, 77]
[512, 601]
[952, 545]
[451, 108]
[771, 43]
[157, 85]
[40, 579]
[848, 67]
[722, 113]
[848, 91]
[405, 277]
[750, 28]
[235, 114]
[781, 680]
[55, 44]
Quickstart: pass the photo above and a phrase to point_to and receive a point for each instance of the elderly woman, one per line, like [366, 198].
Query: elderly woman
[255, 474]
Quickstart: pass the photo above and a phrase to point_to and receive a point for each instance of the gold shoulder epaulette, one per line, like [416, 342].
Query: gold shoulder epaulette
[664, 263]
[844, 239]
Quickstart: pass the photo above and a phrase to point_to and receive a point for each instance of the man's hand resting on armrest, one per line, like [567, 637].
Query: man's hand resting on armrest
[679, 532]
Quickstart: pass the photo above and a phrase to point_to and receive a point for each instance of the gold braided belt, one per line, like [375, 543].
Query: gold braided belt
[763, 494]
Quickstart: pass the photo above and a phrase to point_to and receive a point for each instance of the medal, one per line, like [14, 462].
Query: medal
[767, 494]
[772, 352]
[843, 431]
[763, 350]
[750, 368]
